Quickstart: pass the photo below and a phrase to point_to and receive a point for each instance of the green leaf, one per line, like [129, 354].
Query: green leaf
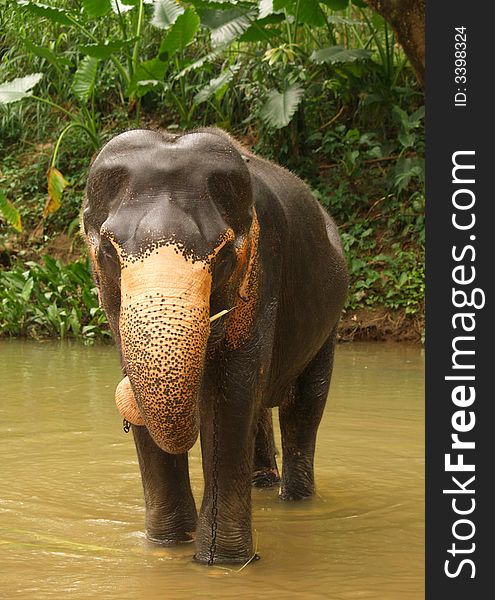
[402, 116]
[10, 213]
[281, 106]
[216, 4]
[120, 6]
[78, 272]
[56, 186]
[378, 21]
[143, 86]
[89, 297]
[338, 20]
[27, 289]
[266, 8]
[165, 13]
[180, 34]
[101, 50]
[197, 64]
[335, 4]
[51, 264]
[84, 78]
[282, 4]
[405, 170]
[404, 276]
[151, 69]
[417, 116]
[148, 74]
[338, 55]
[259, 34]
[406, 139]
[273, 19]
[43, 52]
[17, 89]
[96, 8]
[214, 17]
[227, 25]
[56, 15]
[309, 13]
[306, 11]
[216, 84]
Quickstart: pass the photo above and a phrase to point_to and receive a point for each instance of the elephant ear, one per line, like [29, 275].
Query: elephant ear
[240, 320]
[102, 193]
[230, 189]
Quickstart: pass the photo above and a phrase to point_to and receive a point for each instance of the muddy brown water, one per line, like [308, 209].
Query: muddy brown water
[71, 508]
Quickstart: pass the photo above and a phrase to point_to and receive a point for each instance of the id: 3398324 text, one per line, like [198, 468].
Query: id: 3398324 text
[460, 66]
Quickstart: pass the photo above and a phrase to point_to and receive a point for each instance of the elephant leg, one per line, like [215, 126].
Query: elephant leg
[228, 426]
[300, 415]
[265, 473]
[170, 509]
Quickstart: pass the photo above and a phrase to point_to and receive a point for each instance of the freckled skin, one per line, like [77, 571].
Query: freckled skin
[179, 228]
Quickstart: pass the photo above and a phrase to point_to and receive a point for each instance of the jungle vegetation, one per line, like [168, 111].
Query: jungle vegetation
[324, 88]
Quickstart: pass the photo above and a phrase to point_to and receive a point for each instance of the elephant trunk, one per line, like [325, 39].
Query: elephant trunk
[164, 328]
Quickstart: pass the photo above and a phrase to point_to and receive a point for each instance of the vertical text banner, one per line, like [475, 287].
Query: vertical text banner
[460, 331]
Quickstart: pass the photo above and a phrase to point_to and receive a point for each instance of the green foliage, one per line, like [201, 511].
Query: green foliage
[56, 186]
[281, 106]
[181, 34]
[227, 25]
[338, 4]
[84, 78]
[321, 87]
[96, 8]
[19, 88]
[165, 13]
[10, 213]
[337, 54]
[394, 279]
[52, 13]
[217, 86]
[41, 300]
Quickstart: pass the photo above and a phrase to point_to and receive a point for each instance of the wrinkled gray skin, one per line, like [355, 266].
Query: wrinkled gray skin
[264, 246]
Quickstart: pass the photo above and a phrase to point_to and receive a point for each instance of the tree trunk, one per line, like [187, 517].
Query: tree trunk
[407, 18]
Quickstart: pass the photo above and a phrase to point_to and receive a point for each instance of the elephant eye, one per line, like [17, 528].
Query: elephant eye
[223, 265]
[106, 252]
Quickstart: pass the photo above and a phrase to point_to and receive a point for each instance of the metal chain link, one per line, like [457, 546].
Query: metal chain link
[126, 425]
[214, 499]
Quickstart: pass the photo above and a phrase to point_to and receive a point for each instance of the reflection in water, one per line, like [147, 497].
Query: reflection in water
[71, 508]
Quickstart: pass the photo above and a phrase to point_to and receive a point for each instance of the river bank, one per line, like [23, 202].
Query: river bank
[380, 324]
[48, 292]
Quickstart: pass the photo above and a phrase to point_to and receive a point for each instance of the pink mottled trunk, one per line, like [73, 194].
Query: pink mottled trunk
[164, 328]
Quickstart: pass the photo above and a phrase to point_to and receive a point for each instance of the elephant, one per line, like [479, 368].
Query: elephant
[223, 280]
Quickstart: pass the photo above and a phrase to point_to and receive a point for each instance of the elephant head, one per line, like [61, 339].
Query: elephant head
[172, 236]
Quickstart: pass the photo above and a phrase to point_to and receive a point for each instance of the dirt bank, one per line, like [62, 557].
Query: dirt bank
[380, 324]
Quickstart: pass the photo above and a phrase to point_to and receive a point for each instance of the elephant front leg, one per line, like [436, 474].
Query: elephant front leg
[170, 509]
[227, 442]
